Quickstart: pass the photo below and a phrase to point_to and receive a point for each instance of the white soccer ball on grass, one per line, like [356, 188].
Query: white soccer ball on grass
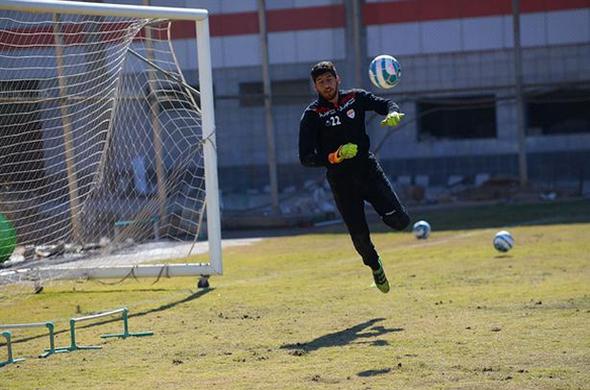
[503, 241]
[421, 230]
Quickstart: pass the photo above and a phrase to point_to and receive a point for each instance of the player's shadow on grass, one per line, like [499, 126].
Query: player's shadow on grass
[365, 330]
[368, 373]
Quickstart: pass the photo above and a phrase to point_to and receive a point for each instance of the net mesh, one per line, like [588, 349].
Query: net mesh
[100, 139]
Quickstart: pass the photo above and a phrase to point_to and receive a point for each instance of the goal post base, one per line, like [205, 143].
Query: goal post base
[136, 271]
[203, 281]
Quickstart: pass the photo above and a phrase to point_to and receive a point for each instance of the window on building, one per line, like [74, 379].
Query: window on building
[284, 92]
[558, 112]
[457, 117]
[21, 152]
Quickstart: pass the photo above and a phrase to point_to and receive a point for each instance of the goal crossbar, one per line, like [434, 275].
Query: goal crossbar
[105, 9]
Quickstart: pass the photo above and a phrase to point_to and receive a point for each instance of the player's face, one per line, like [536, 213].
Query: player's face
[327, 85]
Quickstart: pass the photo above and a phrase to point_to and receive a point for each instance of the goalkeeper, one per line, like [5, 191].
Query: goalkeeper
[332, 134]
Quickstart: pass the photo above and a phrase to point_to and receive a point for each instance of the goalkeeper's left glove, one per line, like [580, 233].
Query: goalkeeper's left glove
[393, 119]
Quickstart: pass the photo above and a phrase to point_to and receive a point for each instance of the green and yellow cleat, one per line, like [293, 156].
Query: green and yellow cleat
[380, 279]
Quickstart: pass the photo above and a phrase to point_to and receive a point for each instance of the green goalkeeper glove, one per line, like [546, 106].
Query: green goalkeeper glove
[348, 151]
[344, 152]
[393, 119]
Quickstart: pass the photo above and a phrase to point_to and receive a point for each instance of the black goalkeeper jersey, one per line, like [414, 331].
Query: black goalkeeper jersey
[324, 127]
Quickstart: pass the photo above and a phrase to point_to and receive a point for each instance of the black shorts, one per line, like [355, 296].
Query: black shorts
[366, 183]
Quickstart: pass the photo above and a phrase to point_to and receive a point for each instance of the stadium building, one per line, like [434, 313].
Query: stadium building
[458, 85]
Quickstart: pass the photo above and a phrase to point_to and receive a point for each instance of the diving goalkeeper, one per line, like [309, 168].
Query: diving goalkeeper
[332, 134]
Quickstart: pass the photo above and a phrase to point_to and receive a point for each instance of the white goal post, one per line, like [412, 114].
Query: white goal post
[177, 113]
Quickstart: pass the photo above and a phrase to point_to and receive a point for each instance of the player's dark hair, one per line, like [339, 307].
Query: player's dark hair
[322, 67]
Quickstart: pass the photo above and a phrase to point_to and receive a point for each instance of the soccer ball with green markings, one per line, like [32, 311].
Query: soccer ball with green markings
[385, 71]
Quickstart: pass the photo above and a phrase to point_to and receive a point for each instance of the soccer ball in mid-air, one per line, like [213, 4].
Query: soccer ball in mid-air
[421, 230]
[503, 241]
[385, 71]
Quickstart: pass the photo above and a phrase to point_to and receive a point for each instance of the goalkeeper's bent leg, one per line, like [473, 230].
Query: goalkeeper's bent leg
[382, 196]
[397, 219]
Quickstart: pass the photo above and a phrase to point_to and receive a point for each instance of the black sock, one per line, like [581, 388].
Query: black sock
[375, 266]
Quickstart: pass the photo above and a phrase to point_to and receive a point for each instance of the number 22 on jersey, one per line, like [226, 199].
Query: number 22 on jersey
[333, 121]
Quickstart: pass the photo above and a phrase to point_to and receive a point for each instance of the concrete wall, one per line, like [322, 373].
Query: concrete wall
[446, 49]
[455, 50]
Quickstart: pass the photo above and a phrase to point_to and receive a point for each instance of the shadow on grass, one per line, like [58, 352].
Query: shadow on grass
[193, 296]
[368, 373]
[454, 217]
[81, 292]
[170, 305]
[361, 331]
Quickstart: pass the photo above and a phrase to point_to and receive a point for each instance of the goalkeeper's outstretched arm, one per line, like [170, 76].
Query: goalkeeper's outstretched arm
[382, 106]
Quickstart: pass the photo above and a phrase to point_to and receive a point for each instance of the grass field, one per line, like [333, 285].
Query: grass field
[298, 312]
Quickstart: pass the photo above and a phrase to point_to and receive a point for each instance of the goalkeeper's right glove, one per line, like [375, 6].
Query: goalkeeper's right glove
[344, 152]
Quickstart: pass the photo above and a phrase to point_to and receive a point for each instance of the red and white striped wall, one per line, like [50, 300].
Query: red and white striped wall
[304, 31]
[307, 31]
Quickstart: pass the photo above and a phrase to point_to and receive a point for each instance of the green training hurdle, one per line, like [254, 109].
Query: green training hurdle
[50, 327]
[124, 316]
[7, 335]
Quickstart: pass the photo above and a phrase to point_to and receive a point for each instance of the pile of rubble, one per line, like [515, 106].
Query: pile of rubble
[57, 253]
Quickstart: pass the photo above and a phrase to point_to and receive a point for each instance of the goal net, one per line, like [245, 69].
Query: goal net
[107, 152]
